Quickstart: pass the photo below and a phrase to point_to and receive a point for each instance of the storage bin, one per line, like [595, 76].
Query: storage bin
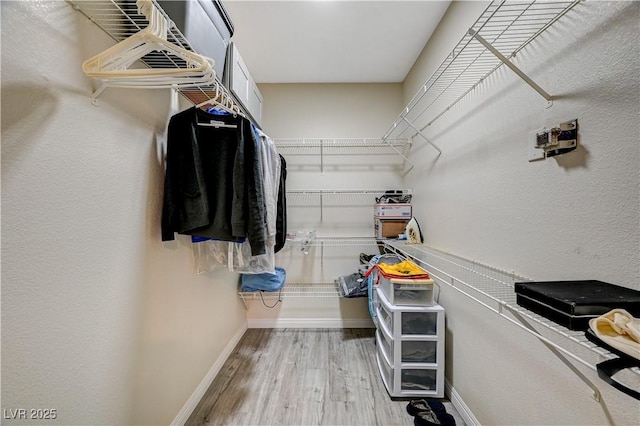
[410, 382]
[207, 26]
[389, 228]
[385, 344]
[386, 372]
[411, 321]
[392, 211]
[418, 351]
[419, 323]
[408, 292]
[385, 318]
[418, 380]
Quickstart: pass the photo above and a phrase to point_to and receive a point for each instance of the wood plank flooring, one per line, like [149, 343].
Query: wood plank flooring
[302, 377]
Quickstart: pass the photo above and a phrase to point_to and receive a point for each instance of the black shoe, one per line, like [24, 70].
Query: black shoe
[426, 418]
[416, 406]
[439, 409]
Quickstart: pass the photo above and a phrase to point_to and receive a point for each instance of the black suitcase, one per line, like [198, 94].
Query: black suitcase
[573, 303]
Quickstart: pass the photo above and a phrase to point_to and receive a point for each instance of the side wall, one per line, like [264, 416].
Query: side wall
[574, 216]
[328, 111]
[101, 321]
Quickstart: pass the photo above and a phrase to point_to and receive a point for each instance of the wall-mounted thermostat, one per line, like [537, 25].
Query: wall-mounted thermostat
[549, 142]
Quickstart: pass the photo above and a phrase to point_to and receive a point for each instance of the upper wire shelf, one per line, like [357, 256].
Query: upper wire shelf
[121, 19]
[339, 145]
[338, 148]
[503, 29]
[338, 198]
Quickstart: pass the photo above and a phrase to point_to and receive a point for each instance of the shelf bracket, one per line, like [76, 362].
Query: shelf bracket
[508, 63]
[596, 392]
[244, 301]
[419, 132]
[404, 157]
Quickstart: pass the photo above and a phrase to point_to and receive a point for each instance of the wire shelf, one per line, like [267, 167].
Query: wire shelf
[507, 26]
[296, 290]
[494, 289]
[335, 151]
[120, 19]
[338, 198]
[338, 146]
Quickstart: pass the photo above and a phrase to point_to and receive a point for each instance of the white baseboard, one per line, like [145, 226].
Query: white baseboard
[197, 394]
[310, 323]
[461, 407]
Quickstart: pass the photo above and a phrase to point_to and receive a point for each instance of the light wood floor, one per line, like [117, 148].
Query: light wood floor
[302, 377]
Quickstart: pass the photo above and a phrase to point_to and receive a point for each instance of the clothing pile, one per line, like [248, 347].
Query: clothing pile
[403, 269]
[396, 196]
[224, 186]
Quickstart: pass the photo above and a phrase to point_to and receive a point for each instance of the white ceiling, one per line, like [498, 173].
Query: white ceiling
[332, 41]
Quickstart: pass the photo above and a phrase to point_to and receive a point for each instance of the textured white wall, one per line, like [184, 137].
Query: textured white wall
[100, 320]
[571, 217]
[330, 111]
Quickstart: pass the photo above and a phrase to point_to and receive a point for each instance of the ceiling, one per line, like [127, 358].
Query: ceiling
[332, 41]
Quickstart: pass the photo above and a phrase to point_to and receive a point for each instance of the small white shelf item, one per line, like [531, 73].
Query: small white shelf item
[175, 64]
[326, 152]
[503, 30]
[493, 289]
[410, 354]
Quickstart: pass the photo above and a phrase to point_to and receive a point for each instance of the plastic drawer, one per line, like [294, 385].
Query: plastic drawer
[414, 321]
[419, 351]
[386, 347]
[386, 372]
[419, 323]
[418, 380]
[385, 318]
[410, 382]
[408, 292]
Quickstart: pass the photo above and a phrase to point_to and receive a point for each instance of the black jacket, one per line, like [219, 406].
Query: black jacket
[213, 180]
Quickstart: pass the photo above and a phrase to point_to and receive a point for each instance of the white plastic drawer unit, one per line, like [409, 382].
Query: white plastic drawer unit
[385, 346]
[410, 381]
[417, 321]
[409, 292]
[408, 351]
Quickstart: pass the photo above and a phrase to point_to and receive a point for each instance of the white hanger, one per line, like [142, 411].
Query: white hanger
[112, 65]
[222, 100]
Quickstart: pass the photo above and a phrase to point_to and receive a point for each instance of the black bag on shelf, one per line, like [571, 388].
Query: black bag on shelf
[607, 369]
[573, 303]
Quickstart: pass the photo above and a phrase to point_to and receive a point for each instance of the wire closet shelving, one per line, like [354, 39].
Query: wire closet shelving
[503, 30]
[322, 149]
[326, 198]
[339, 247]
[121, 18]
[493, 289]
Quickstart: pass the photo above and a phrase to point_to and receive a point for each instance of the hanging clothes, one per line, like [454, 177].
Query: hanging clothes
[281, 219]
[213, 180]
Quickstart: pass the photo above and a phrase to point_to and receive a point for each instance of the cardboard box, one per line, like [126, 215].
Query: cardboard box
[392, 211]
[389, 228]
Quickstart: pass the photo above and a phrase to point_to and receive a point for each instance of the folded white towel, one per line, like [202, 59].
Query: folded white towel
[619, 329]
